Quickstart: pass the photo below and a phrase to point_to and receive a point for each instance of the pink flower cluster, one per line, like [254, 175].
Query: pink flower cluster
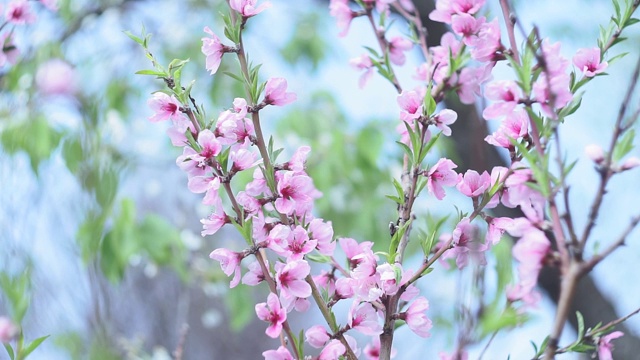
[18, 13]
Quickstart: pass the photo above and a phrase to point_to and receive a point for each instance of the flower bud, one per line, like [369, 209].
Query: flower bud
[595, 153]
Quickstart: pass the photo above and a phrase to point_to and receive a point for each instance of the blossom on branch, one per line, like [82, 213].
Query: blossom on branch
[273, 313]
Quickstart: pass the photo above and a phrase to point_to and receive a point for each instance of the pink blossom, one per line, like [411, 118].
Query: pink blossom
[233, 129]
[506, 94]
[470, 80]
[216, 220]
[247, 8]
[176, 132]
[229, 262]
[272, 313]
[441, 174]
[465, 245]
[363, 318]
[290, 278]
[605, 346]
[298, 160]
[556, 63]
[473, 184]
[210, 145]
[322, 233]
[588, 61]
[9, 52]
[595, 153]
[165, 107]
[558, 85]
[294, 191]
[390, 277]
[240, 107]
[207, 185]
[332, 351]
[497, 227]
[281, 354]
[275, 92]
[345, 288]
[343, 14]
[372, 350]
[19, 13]
[398, 45]
[444, 118]
[298, 244]
[411, 103]
[446, 8]
[530, 251]
[416, 319]
[363, 62]
[242, 159]
[56, 77]
[486, 44]
[630, 163]
[8, 330]
[499, 139]
[213, 49]
[258, 186]
[466, 26]
[317, 336]
[449, 46]
[255, 275]
[187, 162]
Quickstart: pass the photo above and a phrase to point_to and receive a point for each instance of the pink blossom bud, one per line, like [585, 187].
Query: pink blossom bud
[595, 153]
[8, 330]
[630, 163]
[317, 336]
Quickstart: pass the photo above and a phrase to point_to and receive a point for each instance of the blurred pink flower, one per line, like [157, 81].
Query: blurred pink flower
[605, 346]
[8, 330]
[343, 14]
[363, 62]
[19, 13]
[56, 77]
[397, 47]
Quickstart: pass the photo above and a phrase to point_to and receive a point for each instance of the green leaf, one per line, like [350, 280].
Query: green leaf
[34, 344]
[9, 351]
[580, 326]
[319, 258]
[399, 190]
[624, 146]
[151, 72]
[135, 38]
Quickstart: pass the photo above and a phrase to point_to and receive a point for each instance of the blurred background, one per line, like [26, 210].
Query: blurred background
[100, 239]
